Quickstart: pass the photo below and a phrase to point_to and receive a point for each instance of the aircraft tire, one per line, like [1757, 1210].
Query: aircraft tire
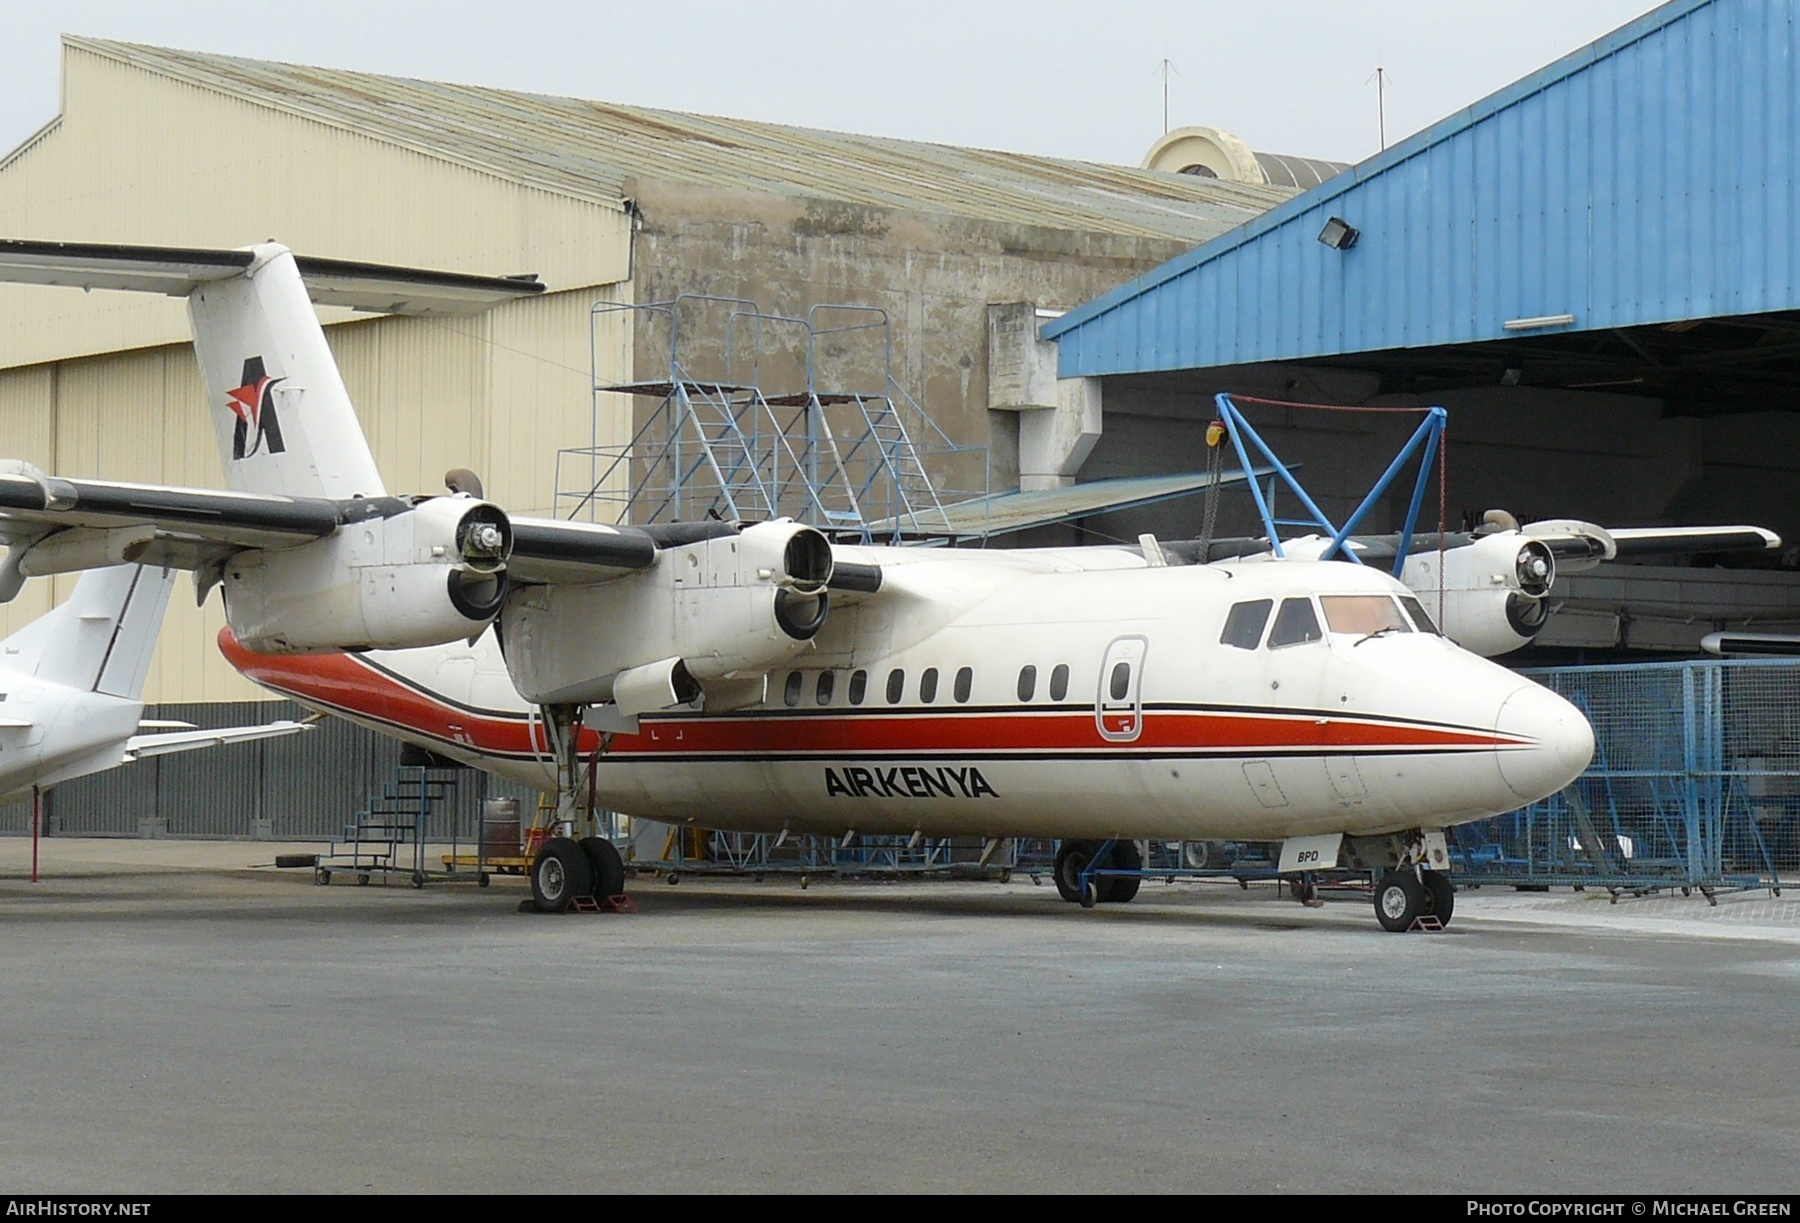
[606, 866]
[1399, 900]
[1120, 889]
[1071, 859]
[559, 874]
[1441, 895]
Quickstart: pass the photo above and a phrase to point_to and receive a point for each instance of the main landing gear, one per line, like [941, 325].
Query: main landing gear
[567, 870]
[1077, 862]
[1414, 898]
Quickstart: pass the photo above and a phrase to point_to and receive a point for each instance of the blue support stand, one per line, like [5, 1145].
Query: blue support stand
[1424, 442]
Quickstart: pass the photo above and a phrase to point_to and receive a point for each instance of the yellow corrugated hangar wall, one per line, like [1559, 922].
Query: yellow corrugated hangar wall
[105, 385]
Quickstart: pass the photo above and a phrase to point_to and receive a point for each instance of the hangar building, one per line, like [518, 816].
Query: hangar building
[1595, 270]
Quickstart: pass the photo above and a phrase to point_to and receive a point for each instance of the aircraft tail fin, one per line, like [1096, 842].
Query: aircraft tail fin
[283, 417]
[102, 638]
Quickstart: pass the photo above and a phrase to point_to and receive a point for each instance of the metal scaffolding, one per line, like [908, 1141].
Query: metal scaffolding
[864, 464]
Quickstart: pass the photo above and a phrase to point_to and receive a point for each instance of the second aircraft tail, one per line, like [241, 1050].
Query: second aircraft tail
[101, 639]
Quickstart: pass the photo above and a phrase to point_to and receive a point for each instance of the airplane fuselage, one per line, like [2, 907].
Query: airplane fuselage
[1052, 693]
[50, 732]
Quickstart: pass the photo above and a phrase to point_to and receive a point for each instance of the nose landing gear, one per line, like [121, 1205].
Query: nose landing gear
[1413, 898]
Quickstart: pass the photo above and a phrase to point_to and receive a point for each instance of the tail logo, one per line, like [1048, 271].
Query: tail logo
[253, 404]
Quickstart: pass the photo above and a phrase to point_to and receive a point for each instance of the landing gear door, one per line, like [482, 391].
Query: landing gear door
[1118, 705]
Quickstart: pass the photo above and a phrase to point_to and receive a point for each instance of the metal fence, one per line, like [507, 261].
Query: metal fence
[1695, 783]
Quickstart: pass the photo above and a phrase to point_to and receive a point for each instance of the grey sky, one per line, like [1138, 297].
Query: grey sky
[1050, 76]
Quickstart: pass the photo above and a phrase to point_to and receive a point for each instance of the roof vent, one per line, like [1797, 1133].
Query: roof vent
[1210, 152]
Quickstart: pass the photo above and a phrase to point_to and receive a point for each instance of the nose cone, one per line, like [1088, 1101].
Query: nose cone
[1556, 743]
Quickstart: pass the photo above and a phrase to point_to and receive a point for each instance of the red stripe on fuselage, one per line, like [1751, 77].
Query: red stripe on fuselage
[346, 683]
[349, 684]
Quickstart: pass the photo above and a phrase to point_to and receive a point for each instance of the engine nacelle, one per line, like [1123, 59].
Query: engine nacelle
[726, 608]
[1494, 590]
[394, 576]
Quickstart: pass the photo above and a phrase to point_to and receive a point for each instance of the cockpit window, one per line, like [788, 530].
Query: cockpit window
[1363, 615]
[1294, 623]
[1244, 623]
[1416, 610]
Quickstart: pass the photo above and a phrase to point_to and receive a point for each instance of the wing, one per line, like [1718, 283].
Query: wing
[1751, 645]
[1582, 545]
[1576, 545]
[60, 526]
[1675, 541]
[34, 505]
[139, 746]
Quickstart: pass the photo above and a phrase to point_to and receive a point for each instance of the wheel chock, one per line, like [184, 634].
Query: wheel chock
[1425, 924]
[603, 904]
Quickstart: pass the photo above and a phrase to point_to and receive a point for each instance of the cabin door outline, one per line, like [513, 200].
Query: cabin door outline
[1119, 707]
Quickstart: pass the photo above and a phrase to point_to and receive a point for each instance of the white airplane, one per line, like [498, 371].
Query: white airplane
[761, 678]
[70, 682]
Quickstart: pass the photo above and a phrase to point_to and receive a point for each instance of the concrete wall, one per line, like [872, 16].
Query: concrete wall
[934, 276]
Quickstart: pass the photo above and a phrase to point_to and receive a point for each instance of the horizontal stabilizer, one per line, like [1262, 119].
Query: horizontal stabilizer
[178, 271]
[140, 746]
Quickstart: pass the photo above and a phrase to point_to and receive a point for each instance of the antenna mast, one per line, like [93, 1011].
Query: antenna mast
[1381, 103]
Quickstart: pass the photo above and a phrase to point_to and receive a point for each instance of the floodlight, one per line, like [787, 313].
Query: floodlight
[1339, 234]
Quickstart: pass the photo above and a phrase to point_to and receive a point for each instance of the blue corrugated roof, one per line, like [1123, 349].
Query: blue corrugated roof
[1648, 177]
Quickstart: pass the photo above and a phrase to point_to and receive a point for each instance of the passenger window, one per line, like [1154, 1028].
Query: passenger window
[1294, 623]
[1244, 624]
[792, 692]
[1363, 615]
[896, 686]
[1059, 682]
[1027, 682]
[928, 685]
[827, 681]
[1121, 681]
[965, 683]
[1416, 610]
[859, 686]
